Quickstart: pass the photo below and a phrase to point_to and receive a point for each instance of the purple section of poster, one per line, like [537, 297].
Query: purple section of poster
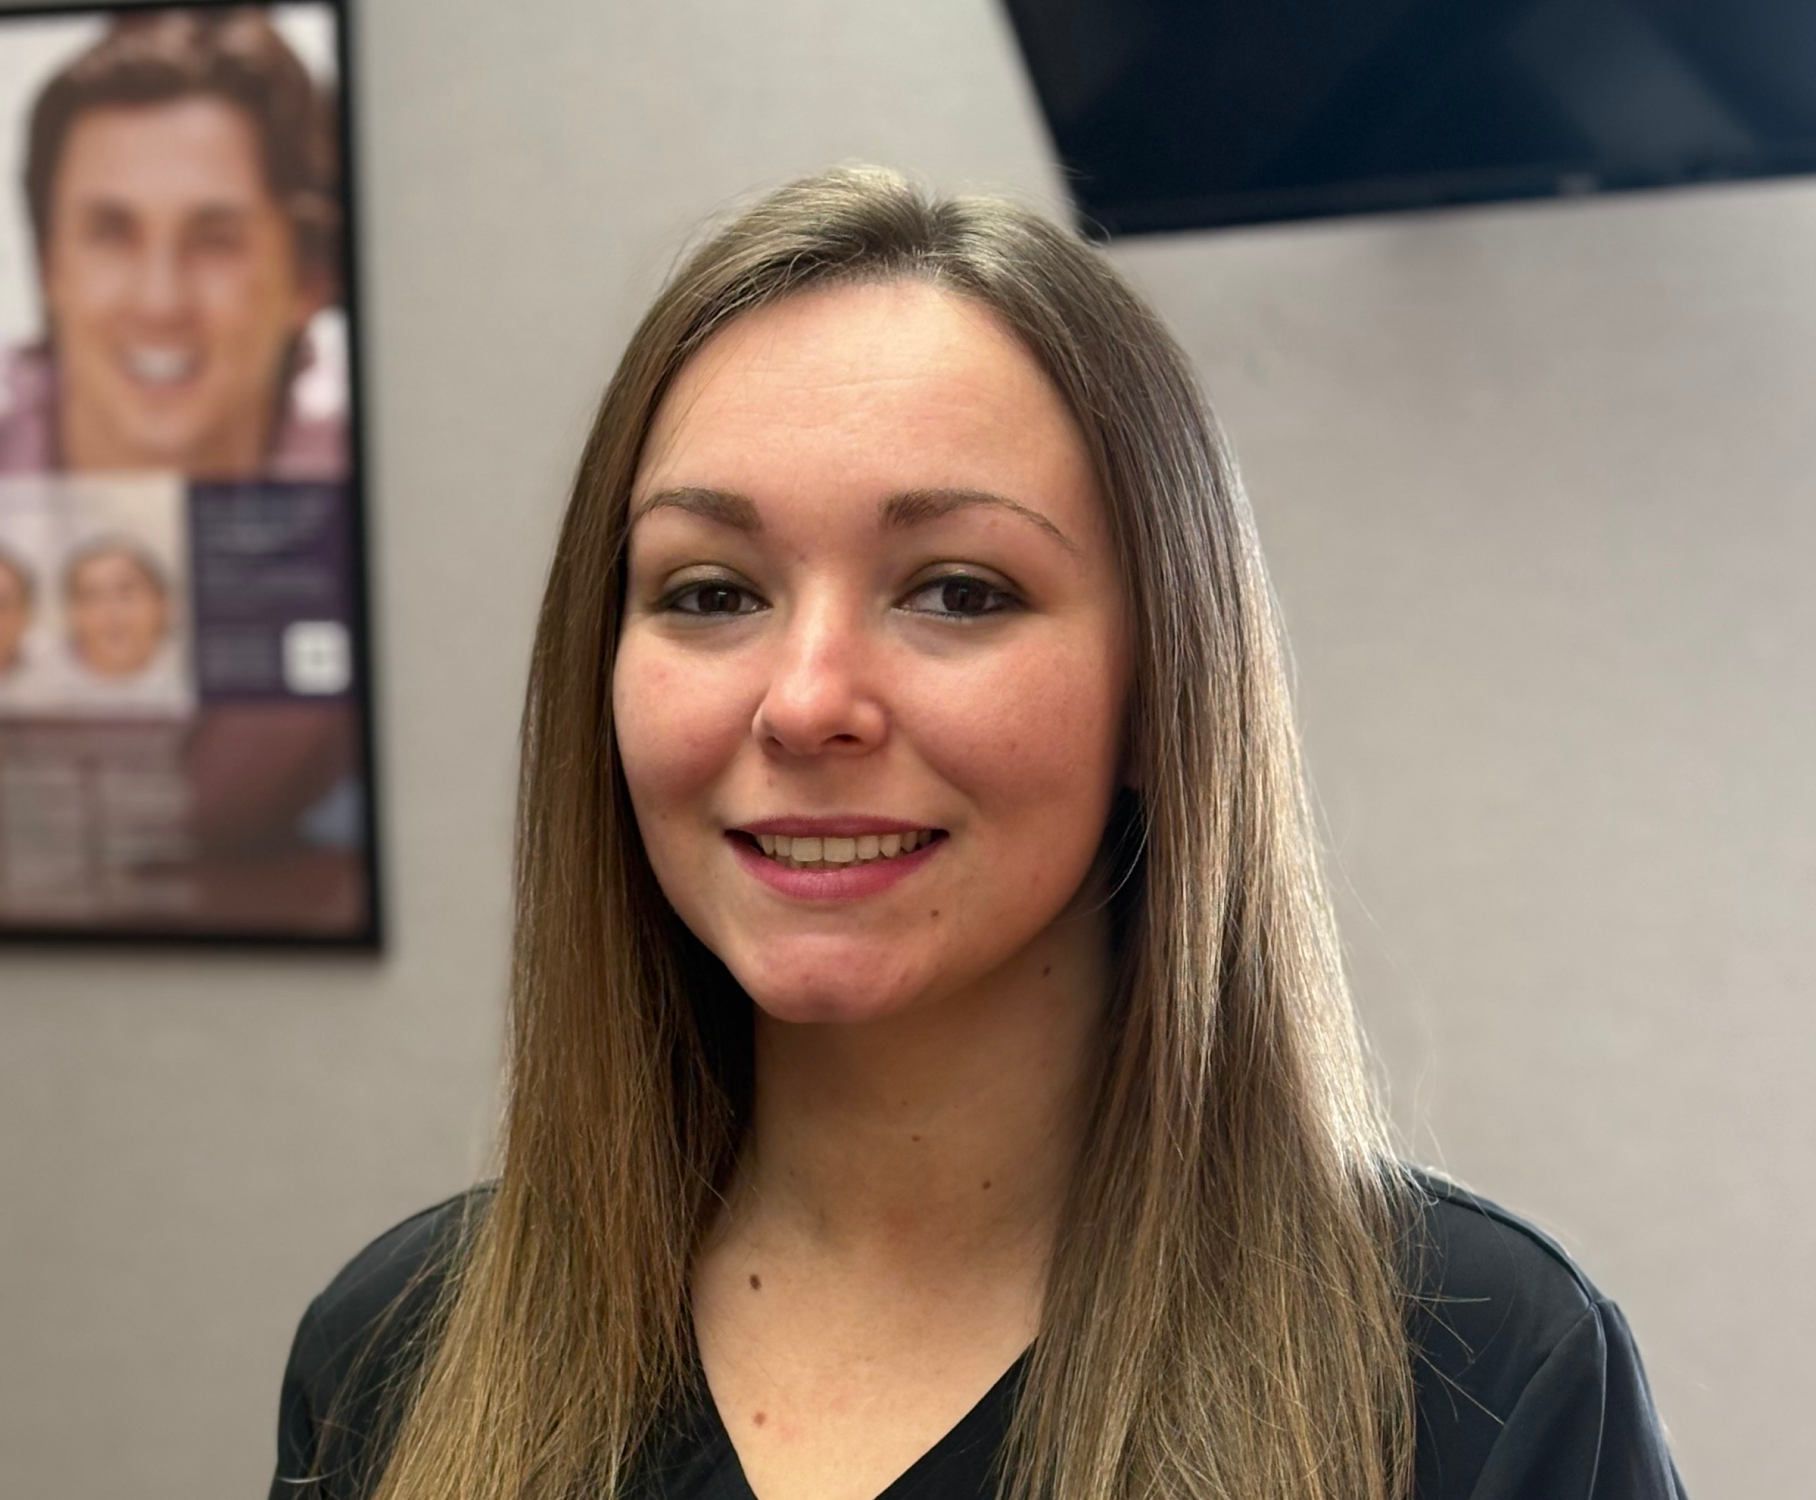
[272, 569]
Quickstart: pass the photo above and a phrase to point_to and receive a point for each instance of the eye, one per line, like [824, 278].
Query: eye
[963, 596]
[710, 597]
[108, 226]
[216, 237]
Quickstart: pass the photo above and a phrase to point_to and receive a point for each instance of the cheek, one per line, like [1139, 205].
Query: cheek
[1036, 736]
[246, 310]
[675, 732]
[75, 285]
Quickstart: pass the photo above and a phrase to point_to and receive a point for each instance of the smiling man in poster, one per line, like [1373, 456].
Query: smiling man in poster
[180, 180]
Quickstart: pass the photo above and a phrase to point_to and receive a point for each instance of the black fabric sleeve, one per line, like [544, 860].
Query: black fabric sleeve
[354, 1351]
[298, 1423]
[1585, 1427]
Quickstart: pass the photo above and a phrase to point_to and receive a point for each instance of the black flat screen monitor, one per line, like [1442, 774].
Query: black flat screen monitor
[1178, 114]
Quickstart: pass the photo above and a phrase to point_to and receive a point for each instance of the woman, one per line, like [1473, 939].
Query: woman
[931, 1065]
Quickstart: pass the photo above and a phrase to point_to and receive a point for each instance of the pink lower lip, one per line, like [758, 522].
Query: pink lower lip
[842, 883]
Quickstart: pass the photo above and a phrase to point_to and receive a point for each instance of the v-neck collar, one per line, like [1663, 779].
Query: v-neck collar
[701, 1463]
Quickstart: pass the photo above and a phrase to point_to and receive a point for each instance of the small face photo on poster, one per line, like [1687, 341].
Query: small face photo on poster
[117, 601]
[180, 175]
[18, 592]
[94, 584]
[29, 654]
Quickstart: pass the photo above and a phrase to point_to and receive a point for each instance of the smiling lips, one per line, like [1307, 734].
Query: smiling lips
[823, 853]
[154, 365]
[834, 842]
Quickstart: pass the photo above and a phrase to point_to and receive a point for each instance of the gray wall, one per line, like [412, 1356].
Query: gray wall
[1534, 484]
[1538, 488]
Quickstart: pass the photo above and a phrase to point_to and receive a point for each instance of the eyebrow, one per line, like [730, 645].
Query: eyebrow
[104, 202]
[900, 512]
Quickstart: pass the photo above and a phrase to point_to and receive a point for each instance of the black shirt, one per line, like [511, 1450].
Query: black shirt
[1529, 1384]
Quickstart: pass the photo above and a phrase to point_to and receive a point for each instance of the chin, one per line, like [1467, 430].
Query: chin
[168, 428]
[824, 1002]
[164, 449]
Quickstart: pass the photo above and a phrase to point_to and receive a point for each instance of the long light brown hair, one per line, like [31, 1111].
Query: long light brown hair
[1224, 1310]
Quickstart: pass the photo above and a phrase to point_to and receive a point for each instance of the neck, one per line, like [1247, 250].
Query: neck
[944, 1134]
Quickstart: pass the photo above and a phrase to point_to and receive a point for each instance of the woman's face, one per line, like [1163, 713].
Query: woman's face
[872, 600]
[117, 614]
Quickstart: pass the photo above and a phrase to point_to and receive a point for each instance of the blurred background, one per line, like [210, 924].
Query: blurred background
[1537, 482]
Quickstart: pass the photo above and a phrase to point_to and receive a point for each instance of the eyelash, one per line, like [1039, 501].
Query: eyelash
[671, 603]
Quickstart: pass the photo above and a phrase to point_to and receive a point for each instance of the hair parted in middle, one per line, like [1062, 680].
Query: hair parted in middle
[1224, 1310]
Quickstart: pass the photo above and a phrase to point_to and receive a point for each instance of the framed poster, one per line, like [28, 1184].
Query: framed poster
[185, 713]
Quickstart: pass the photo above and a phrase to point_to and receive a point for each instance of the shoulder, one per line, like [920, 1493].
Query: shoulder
[1486, 1279]
[358, 1338]
[1527, 1375]
[398, 1264]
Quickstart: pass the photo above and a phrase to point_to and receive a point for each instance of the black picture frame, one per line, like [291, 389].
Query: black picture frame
[334, 900]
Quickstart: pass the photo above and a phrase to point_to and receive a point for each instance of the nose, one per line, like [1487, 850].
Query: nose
[161, 289]
[821, 697]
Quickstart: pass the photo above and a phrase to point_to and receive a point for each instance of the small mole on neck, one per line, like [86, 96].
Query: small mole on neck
[1046, 971]
[986, 1184]
[756, 1282]
[760, 1418]
[914, 1137]
[934, 913]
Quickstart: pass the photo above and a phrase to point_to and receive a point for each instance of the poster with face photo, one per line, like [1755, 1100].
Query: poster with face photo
[185, 738]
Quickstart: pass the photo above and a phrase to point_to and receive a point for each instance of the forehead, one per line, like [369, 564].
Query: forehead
[869, 389]
[112, 567]
[198, 146]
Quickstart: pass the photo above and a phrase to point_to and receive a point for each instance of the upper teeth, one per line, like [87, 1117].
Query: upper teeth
[831, 851]
[160, 365]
